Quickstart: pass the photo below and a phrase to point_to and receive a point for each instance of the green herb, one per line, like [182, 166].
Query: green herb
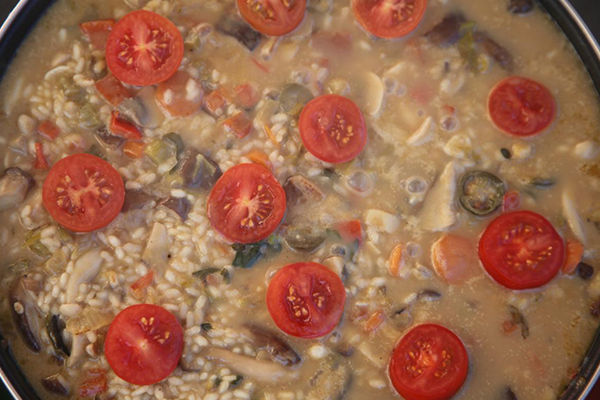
[330, 173]
[96, 150]
[466, 47]
[88, 118]
[163, 152]
[33, 241]
[206, 326]
[19, 266]
[247, 254]
[203, 273]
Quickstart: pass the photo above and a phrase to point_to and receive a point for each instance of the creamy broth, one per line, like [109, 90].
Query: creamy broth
[427, 118]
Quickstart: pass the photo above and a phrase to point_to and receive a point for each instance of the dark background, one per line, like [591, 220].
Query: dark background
[588, 9]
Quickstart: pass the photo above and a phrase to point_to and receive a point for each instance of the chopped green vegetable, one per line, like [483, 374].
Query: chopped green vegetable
[467, 49]
[541, 183]
[163, 153]
[206, 326]
[480, 192]
[176, 140]
[96, 150]
[33, 241]
[293, 98]
[247, 254]
[64, 235]
[203, 273]
[226, 276]
[88, 118]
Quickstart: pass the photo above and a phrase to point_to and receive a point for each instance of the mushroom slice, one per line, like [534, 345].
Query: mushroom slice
[56, 384]
[299, 189]
[260, 370]
[572, 217]
[14, 185]
[281, 351]
[331, 381]
[438, 212]
[447, 32]
[25, 314]
[85, 270]
[143, 109]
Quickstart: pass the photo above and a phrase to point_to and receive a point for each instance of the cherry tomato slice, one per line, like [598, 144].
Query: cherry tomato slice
[389, 19]
[306, 299]
[144, 344]
[246, 204]
[521, 106]
[144, 48]
[521, 250]
[429, 363]
[273, 17]
[333, 128]
[83, 192]
[180, 96]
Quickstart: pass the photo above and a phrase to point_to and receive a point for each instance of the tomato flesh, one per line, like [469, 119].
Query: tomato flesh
[83, 192]
[246, 204]
[389, 19]
[144, 48]
[429, 363]
[521, 250]
[306, 299]
[144, 344]
[273, 17]
[333, 129]
[521, 106]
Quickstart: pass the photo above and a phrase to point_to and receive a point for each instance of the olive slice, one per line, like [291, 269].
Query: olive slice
[481, 193]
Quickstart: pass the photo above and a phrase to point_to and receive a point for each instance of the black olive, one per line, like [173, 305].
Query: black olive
[585, 271]
[506, 153]
[481, 193]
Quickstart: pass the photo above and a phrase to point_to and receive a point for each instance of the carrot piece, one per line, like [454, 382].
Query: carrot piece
[375, 321]
[133, 150]
[454, 258]
[395, 261]
[260, 157]
[97, 31]
[350, 231]
[40, 158]
[239, 124]
[123, 128]
[139, 287]
[574, 255]
[215, 103]
[270, 135]
[48, 129]
[246, 96]
[112, 90]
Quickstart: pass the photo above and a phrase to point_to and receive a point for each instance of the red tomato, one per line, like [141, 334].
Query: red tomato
[389, 19]
[521, 106]
[350, 231]
[112, 90]
[246, 96]
[48, 129]
[97, 31]
[181, 95]
[429, 363]
[246, 204]
[273, 17]
[83, 192]
[239, 124]
[521, 250]
[306, 299]
[123, 128]
[144, 48]
[40, 159]
[215, 103]
[454, 258]
[144, 344]
[333, 128]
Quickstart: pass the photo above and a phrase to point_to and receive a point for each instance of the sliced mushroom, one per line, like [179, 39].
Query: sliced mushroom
[447, 32]
[268, 340]
[304, 238]
[260, 370]
[54, 328]
[85, 270]
[143, 109]
[331, 381]
[198, 170]
[78, 353]
[299, 190]
[495, 50]
[240, 31]
[14, 185]
[158, 247]
[107, 139]
[293, 98]
[438, 212]
[180, 205]
[56, 384]
[136, 199]
[25, 314]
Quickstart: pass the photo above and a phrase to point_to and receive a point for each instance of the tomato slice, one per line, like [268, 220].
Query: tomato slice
[521, 106]
[454, 258]
[429, 363]
[180, 95]
[144, 48]
[333, 128]
[246, 204]
[273, 17]
[521, 250]
[144, 344]
[389, 19]
[83, 192]
[306, 299]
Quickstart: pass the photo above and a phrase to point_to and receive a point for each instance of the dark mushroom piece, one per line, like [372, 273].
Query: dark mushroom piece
[304, 238]
[180, 205]
[447, 32]
[429, 295]
[495, 50]
[56, 384]
[293, 98]
[142, 109]
[14, 186]
[24, 314]
[520, 6]
[299, 190]
[198, 170]
[268, 340]
[332, 380]
[585, 271]
[107, 139]
[136, 199]
[518, 319]
[240, 31]
[55, 327]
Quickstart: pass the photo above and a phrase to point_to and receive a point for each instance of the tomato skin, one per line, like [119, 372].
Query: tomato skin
[513, 241]
[123, 128]
[133, 38]
[426, 385]
[144, 344]
[521, 106]
[112, 90]
[239, 189]
[294, 288]
[281, 21]
[333, 128]
[75, 200]
[454, 258]
[377, 16]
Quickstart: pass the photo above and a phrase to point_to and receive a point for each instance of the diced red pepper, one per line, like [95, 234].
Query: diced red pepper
[112, 90]
[40, 158]
[215, 103]
[95, 383]
[239, 124]
[98, 31]
[511, 201]
[138, 288]
[123, 128]
[48, 129]
[350, 231]
[246, 96]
